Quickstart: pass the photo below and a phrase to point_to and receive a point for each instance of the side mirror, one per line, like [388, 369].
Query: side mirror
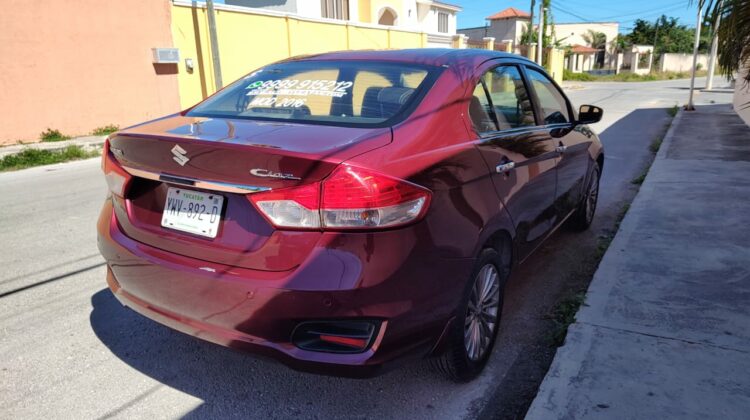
[589, 114]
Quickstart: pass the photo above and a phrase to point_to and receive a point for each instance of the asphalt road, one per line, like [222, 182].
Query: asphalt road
[69, 349]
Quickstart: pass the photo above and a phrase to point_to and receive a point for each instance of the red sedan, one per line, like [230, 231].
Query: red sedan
[341, 211]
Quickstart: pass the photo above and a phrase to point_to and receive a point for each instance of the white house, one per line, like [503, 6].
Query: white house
[433, 17]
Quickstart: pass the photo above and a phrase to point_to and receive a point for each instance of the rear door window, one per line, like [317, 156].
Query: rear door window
[358, 93]
[510, 99]
[480, 110]
[501, 101]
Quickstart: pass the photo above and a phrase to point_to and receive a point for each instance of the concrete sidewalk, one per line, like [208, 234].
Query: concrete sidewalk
[87, 142]
[665, 330]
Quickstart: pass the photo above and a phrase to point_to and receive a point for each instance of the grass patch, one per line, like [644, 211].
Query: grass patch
[563, 315]
[655, 145]
[580, 77]
[34, 157]
[628, 76]
[640, 178]
[673, 111]
[53, 135]
[105, 130]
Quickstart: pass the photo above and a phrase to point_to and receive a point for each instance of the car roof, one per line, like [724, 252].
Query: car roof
[428, 56]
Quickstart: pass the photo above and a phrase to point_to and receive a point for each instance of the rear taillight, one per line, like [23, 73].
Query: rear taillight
[116, 177]
[291, 207]
[350, 198]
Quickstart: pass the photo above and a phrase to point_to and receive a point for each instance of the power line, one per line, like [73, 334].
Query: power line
[660, 9]
[651, 14]
[560, 9]
[642, 15]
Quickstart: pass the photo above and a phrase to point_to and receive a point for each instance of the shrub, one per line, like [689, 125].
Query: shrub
[53, 135]
[105, 130]
[35, 157]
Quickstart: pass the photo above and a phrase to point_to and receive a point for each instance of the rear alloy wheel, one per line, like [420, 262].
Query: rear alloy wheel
[482, 312]
[475, 326]
[584, 215]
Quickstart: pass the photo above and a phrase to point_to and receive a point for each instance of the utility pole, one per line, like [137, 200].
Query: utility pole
[530, 28]
[690, 106]
[714, 50]
[214, 44]
[656, 35]
[540, 37]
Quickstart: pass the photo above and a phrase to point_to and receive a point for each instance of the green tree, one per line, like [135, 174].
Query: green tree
[595, 39]
[734, 32]
[667, 35]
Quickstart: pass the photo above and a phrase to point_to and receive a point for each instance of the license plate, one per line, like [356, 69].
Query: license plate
[193, 212]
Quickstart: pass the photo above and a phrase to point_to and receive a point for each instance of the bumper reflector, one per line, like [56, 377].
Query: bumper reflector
[357, 343]
[335, 336]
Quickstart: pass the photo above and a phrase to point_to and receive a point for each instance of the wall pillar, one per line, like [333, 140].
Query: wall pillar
[556, 63]
[459, 41]
[489, 43]
[508, 43]
[531, 52]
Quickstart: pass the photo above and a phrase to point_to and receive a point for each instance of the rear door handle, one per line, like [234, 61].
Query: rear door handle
[505, 167]
[561, 149]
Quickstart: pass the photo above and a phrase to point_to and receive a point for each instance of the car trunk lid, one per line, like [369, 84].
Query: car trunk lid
[231, 158]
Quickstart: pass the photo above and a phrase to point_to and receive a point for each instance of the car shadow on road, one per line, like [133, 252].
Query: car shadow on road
[234, 384]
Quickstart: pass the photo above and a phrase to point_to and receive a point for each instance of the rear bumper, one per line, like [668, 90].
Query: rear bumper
[412, 297]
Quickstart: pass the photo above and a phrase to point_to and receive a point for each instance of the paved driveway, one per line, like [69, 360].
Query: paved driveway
[67, 348]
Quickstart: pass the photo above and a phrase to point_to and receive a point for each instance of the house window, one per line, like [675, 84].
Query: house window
[334, 9]
[443, 22]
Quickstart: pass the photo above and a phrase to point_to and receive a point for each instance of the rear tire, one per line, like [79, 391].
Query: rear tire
[471, 336]
[584, 214]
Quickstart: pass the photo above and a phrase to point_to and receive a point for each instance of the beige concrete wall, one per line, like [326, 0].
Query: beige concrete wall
[681, 62]
[79, 64]
[251, 38]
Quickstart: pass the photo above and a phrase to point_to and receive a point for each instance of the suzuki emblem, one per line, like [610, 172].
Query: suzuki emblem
[180, 155]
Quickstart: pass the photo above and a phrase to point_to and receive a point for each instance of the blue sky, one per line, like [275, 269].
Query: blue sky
[623, 11]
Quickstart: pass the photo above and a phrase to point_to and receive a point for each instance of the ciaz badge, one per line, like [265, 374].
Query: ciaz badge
[265, 173]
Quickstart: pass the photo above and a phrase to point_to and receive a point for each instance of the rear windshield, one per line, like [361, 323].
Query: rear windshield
[349, 93]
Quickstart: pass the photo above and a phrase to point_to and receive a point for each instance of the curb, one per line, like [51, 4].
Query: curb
[668, 136]
[87, 142]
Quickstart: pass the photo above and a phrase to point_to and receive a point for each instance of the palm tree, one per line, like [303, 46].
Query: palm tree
[734, 33]
[597, 40]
